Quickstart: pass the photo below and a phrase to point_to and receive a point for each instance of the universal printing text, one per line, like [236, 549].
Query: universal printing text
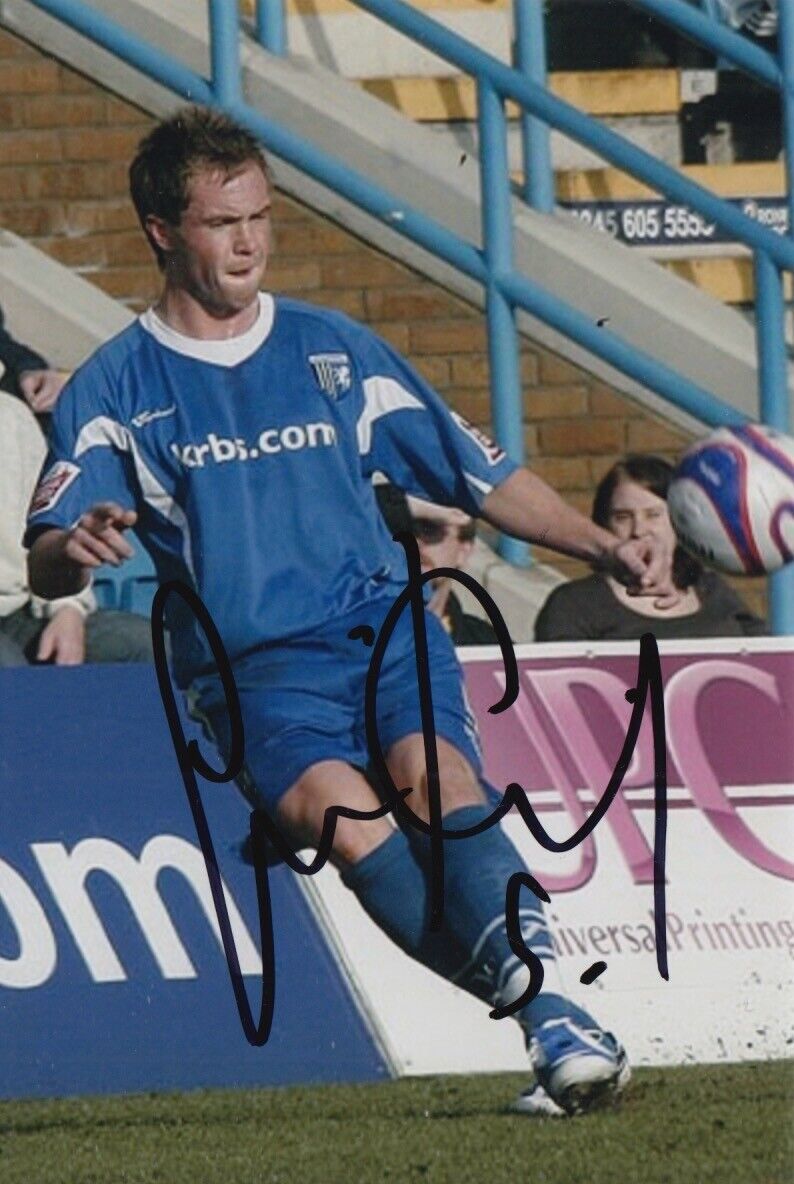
[731, 935]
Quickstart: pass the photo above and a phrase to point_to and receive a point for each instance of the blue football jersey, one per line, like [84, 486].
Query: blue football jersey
[250, 465]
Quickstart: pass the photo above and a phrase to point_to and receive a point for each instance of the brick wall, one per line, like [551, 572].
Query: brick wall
[64, 148]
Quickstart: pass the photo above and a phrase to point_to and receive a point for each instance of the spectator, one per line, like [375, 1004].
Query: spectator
[68, 631]
[26, 373]
[631, 501]
[446, 539]
[758, 18]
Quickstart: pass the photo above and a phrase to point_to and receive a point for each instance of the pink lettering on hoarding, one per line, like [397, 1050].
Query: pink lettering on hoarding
[685, 743]
[527, 717]
[555, 722]
[555, 690]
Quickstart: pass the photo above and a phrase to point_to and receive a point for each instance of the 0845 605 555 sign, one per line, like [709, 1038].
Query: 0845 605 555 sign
[662, 224]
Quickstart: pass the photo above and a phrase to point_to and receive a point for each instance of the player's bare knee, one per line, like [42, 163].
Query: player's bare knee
[303, 811]
[459, 784]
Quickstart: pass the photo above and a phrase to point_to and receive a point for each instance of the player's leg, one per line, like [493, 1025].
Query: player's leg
[378, 864]
[577, 1064]
[374, 858]
[300, 760]
[301, 812]
[477, 870]
[573, 1058]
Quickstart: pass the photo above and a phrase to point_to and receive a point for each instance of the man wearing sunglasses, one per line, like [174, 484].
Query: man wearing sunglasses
[446, 539]
[445, 536]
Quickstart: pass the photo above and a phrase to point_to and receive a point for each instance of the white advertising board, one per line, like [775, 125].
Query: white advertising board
[730, 846]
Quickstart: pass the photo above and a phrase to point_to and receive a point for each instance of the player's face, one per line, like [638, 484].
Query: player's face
[636, 511]
[220, 249]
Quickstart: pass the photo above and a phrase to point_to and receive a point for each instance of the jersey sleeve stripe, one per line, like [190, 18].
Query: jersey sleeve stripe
[104, 432]
[382, 396]
[475, 483]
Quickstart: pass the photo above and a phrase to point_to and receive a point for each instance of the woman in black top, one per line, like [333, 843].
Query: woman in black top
[631, 500]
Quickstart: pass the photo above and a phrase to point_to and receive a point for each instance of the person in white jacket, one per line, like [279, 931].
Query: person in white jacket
[68, 631]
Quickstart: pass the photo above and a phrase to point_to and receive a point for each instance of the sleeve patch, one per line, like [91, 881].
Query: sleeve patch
[490, 450]
[53, 485]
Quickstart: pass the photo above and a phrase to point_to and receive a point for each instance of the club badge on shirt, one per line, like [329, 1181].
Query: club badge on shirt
[332, 372]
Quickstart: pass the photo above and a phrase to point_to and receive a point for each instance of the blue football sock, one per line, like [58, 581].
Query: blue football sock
[390, 887]
[477, 871]
[471, 949]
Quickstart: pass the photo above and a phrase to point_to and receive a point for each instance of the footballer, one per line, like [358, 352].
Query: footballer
[239, 433]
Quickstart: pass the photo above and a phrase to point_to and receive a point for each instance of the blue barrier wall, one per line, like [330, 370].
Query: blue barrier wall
[99, 990]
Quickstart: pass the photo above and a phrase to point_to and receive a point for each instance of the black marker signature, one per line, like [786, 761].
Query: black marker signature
[264, 830]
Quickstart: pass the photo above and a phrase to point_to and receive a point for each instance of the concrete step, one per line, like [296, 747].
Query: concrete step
[728, 279]
[642, 105]
[762, 179]
[599, 92]
[342, 37]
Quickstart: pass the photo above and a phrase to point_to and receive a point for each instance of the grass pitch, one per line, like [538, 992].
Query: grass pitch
[730, 1124]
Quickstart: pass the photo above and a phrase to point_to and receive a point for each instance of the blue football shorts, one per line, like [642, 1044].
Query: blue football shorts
[302, 701]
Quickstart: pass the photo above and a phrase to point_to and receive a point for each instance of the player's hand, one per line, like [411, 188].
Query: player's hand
[645, 566]
[40, 388]
[98, 536]
[63, 639]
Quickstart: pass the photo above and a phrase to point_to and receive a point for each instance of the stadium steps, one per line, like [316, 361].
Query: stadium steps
[640, 104]
[651, 309]
[643, 104]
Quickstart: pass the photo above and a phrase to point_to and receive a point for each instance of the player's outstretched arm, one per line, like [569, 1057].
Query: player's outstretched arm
[60, 561]
[525, 506]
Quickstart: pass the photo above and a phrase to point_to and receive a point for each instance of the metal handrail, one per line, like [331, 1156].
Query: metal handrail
[771, 252]
[492, 265]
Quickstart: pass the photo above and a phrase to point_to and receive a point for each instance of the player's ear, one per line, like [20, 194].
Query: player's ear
[160, 232]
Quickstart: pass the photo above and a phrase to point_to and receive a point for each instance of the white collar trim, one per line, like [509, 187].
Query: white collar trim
[226, 352]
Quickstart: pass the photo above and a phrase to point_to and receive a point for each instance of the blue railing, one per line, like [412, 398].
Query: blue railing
[506, 290]
[492, 264]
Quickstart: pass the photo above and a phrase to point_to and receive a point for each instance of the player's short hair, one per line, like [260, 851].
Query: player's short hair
[191, 139]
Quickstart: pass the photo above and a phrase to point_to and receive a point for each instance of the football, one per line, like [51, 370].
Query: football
[731, 500]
